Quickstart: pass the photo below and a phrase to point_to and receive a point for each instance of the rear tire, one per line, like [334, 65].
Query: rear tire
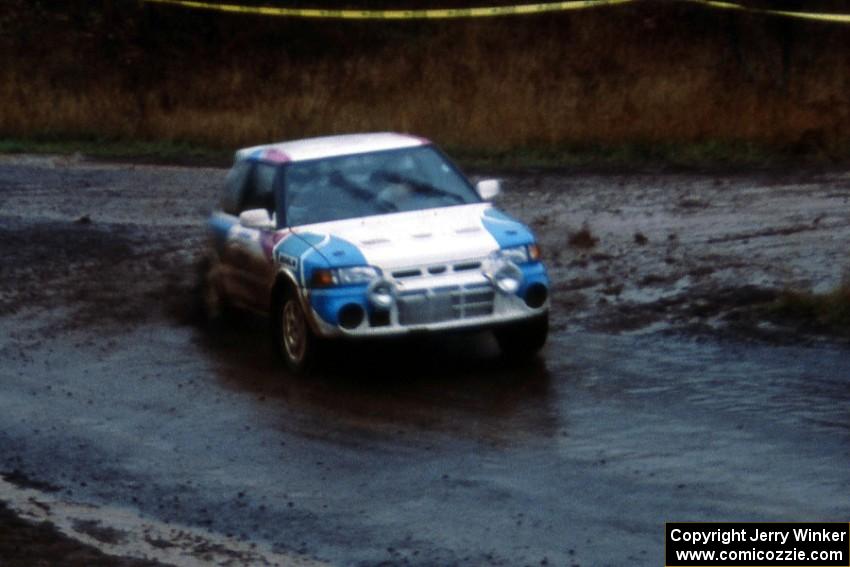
[294, 341]
[521, 341]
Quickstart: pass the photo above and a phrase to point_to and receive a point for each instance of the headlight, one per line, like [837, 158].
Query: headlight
[507, 278]
[521, 254]
[503, 273]
[382, 293]
[344, 276]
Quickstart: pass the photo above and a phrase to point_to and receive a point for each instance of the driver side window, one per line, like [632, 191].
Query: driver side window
[259, 193]
[235, 185]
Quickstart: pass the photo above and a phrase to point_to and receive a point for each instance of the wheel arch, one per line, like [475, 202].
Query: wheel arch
[285, 285]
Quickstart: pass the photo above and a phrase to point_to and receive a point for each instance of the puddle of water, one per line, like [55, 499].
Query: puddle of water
[795, 386]
[455, 385]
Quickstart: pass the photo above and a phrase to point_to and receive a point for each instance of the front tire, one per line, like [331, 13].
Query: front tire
[521, 341]
[294, 341]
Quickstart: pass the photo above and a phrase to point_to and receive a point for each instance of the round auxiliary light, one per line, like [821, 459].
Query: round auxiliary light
[381, 293]
[507, 278]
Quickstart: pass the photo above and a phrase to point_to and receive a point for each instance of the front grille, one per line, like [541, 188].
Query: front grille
[466, 266]
[411, 273]
[436, 270]
[446, 303]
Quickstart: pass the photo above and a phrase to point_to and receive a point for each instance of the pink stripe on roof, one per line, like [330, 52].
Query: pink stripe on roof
[275, 155]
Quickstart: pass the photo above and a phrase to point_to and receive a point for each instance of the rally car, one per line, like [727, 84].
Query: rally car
[371, 235]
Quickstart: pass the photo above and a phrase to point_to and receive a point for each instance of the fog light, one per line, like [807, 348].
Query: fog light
[507, 278]
[382, 293]
[536, 295]
[351, 316]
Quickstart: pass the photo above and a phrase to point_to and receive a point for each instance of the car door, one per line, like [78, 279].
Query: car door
[247, 254]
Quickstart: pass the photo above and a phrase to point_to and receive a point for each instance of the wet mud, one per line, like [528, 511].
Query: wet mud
[20, 538]
[668, 390]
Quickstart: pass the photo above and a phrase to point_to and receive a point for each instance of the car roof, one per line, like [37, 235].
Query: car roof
[329, 146]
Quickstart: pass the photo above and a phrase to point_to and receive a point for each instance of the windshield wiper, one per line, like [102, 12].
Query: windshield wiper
[418, 186]
[361, 193]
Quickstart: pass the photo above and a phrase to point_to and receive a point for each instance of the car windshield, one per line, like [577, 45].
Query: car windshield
[344, 187]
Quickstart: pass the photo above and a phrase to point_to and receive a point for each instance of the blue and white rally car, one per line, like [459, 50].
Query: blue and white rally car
[371, 235]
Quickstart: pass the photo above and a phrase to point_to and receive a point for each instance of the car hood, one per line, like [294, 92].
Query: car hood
[414, 238]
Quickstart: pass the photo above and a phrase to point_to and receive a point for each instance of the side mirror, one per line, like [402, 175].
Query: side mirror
[256, 218]
[488, 189]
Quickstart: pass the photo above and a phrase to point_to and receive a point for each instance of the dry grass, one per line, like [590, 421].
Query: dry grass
[644, 75]
[829, 311]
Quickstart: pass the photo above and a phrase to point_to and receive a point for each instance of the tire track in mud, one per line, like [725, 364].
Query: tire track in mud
[124, 537]
[699, 253]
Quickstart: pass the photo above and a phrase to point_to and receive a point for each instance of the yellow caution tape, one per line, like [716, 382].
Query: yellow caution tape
[475, 12]
[817, 16]
[428, 14]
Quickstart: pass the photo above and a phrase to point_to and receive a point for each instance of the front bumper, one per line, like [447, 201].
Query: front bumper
[429, 304]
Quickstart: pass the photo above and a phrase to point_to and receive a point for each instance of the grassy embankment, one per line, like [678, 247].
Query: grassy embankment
[827, 313]
[653, 83]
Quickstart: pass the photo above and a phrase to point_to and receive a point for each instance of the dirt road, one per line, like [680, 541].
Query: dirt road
[663, 394]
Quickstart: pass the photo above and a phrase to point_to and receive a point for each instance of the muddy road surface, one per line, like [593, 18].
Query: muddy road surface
[665, 392]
